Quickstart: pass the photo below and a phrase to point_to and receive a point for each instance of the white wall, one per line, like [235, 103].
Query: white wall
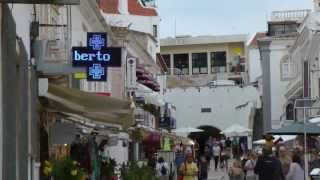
[138, 23]
[222, 100]
[23, 17]
[278, 87]
[254, 64]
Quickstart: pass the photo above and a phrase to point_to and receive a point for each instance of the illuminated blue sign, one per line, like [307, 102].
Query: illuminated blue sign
[82, 56]
[96, 41]
[96, 57]
[97, 73]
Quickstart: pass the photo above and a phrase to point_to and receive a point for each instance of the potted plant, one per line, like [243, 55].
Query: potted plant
[63, 169]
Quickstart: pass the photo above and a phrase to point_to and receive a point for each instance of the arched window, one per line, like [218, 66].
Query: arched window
[290, 112]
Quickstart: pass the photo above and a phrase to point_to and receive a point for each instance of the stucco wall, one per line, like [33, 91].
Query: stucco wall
[136, 23]
[254, 63]
[274, 88]
[23, 16]
[223, 102]
[278, 87]
[14, 78]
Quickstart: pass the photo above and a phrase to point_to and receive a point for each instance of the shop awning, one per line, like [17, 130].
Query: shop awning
[150, 96]
[92, 106]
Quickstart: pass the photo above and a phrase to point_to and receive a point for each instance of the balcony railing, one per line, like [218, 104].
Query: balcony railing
[290, 15]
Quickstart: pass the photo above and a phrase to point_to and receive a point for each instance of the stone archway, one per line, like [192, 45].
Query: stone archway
[202, 137]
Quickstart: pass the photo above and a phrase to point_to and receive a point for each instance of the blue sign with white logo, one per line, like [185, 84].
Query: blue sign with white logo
[97, 41]
[96, 57]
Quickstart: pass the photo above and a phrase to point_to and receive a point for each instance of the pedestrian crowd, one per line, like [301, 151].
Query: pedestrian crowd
[268, 164]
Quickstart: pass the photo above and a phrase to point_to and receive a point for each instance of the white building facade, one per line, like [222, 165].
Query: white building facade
[206, 58]
[219, 107]
[304, 57]
[254, 59]
[274, 50]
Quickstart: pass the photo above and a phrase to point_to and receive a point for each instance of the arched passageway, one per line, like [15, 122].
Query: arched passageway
[202, 137]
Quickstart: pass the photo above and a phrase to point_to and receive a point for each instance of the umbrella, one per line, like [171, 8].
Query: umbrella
[236, 130]
[298, 128]
[187, 130]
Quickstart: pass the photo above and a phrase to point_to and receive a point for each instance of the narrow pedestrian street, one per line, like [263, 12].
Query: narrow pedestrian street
[159, 89]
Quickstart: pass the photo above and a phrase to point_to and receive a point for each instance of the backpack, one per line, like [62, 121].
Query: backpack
[164, 170]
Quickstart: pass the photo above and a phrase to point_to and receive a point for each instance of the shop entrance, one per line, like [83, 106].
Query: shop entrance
[202, 137]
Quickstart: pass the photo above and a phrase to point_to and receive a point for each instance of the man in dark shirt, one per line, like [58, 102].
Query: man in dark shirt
[268, 167]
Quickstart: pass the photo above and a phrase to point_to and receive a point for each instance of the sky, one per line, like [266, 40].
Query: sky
[220, 17]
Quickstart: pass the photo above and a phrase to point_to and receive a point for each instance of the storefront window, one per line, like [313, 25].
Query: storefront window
[218, 62]
[199, 63]
[181, 64]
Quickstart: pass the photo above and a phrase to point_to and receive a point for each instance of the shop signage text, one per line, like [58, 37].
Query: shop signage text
[96, 57]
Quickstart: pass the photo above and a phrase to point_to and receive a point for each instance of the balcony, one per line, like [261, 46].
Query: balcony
[289, 15]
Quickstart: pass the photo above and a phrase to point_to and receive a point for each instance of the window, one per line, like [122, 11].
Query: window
[181, 63]
[166, 58]
[218, 62]
[199, 63]
[155, 31]
[206, 110]
[288, 68]
[289, 112]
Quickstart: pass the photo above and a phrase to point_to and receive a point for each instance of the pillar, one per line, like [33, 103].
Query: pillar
[209, 62]
[171, 64]
[190, 63]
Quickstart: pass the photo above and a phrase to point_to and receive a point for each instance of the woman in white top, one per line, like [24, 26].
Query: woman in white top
[295, 172]
[249, 167]
[216, 150]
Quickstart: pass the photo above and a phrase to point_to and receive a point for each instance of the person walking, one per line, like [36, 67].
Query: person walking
[295, 172]
[207, 154]
[216, 150]
[249, 167]
[189, 169]
[203, 166]
[162, 169]
[268, 167]
[236, 171]
[285, 160]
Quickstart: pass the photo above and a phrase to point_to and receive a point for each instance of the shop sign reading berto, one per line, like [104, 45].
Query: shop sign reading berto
[96, 57]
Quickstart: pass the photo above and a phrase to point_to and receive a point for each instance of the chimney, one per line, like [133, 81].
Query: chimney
[316, 7]
[123, 7]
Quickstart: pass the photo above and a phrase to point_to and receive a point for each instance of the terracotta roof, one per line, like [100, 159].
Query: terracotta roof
[134, 8]
[254, 41]
[110, 6]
